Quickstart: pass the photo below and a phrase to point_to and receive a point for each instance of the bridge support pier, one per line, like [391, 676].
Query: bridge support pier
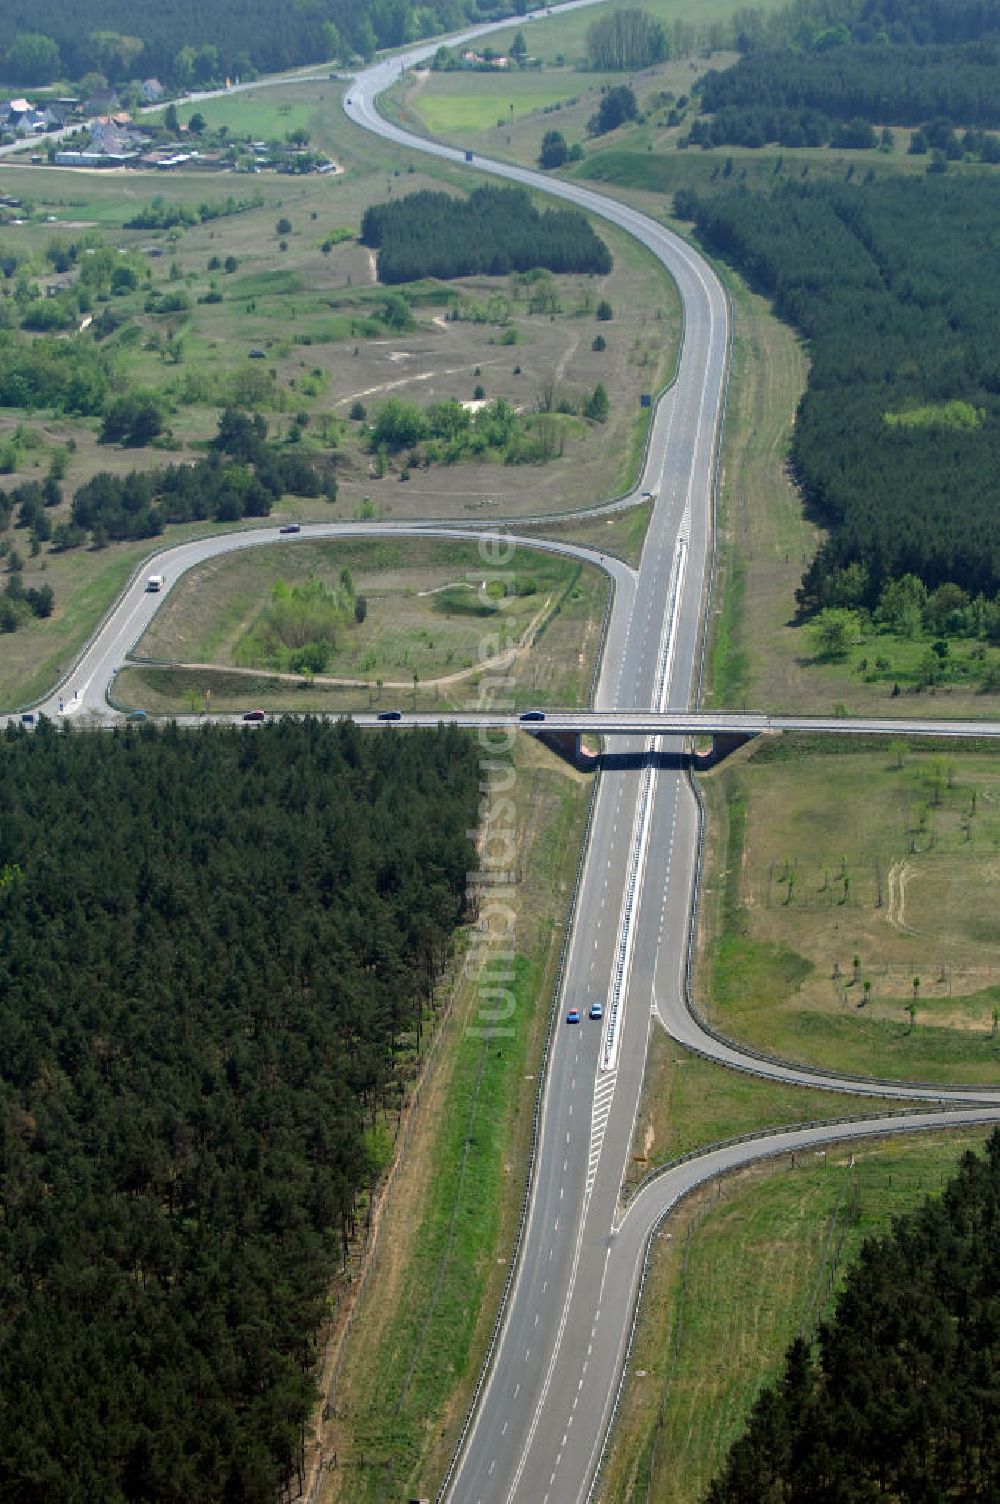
[723, 743]
[567, 745]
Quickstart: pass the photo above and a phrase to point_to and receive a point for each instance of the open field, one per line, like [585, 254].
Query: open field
[506, 114]
[764, 542]
[416, 1346]
[553, 36]
[426, 614]
[453, 104]
[738, 1272]
[327, 342]
[428, 641]
[844, 888]
[269, 114]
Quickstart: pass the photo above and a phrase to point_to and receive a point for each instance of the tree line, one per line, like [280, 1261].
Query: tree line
[878, 85]
[216, 954]
[493, 232]
[891, 284]
[191, 45]
[898, 1396]
[624, 40]
[242, 477]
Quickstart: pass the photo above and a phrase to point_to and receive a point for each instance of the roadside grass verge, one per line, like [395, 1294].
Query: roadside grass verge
[688, 1102]
[740, 1270]
[843, 891]
[85, 583]
[415, 1349]
[622, 533]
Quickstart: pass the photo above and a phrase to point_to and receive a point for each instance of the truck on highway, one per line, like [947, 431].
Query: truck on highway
[155, 582]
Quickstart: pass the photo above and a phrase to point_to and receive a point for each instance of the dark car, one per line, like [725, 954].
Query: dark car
[532, 715]
[290, 527]
[136, 715]
[596, 1010]
[573, 1016]
[254, 715]
[257, 355]
[28, 718]
[390, 715]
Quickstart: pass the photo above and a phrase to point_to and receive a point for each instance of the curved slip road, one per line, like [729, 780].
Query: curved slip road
[538, 1429]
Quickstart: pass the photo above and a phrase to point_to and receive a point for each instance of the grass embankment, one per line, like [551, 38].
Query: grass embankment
[848, 917]
[85, 585]
[621, 534]
[415, 1349]
[736, 1274]
[430, 638]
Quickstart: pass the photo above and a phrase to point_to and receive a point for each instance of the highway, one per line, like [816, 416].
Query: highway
[546, 1400]
[538, 1428]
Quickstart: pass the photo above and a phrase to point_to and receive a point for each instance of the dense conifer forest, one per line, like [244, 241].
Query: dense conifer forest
[897, 441]
[186, 43]
[494, 231]
[901, 1397]
[215, 952]
[816, 74]
[799, 99]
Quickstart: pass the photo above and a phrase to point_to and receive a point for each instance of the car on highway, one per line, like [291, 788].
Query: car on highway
[596, 1010]
[532, 715]
[137, 715]
[573, 1016]
[390, 715]
[254, 715]
[290, 527]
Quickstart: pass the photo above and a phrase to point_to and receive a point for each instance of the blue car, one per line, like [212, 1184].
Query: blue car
[532, 715]
[390, 715]
[573, 1016]
[136, 715]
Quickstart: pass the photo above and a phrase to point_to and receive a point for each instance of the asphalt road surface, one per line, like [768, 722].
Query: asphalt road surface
[538, 1429]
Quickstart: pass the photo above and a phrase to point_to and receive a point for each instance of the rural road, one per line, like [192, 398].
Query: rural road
[547, 1396]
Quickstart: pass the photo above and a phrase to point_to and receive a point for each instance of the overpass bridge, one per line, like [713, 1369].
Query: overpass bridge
[728, 730]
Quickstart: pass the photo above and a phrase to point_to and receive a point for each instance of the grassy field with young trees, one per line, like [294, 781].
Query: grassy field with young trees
[913, 1326]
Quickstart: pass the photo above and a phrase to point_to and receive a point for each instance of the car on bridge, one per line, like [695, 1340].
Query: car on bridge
[596, 1010]
[390, 715]
[290, 527]
[254, 715]
[28, 718]
[532, 715]
[137, 715]
[573, 1016]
